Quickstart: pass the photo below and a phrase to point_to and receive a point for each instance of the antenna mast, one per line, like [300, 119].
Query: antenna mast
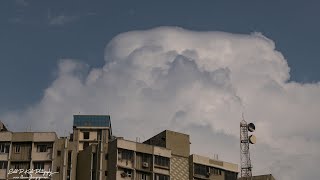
[245, 140]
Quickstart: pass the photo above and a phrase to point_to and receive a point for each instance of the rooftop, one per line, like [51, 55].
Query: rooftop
[198, 159]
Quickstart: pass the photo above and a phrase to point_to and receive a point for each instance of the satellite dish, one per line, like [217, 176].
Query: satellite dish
[252, 139]
[251, 127]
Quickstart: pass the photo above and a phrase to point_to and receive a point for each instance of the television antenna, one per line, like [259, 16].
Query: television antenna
[245, 141]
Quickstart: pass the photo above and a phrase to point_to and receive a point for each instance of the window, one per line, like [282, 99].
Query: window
[3, 164]
[17, 148]
[69, 159]
[161, 177]
[162, 161]
[106, 156]
[86, 135]
[58, 153]
[125, 154]
[145, 157]
[58, 169]
[143, 177]
[216, 171]
[4, 148]
[20, 165]
[99, 135]
[17, 166]
[230, 175]
[85, 144]
[38, 165]
[42, 148]
[105, 173]
[201, 169]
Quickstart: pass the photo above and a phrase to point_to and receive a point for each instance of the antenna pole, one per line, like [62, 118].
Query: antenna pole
[246, 167]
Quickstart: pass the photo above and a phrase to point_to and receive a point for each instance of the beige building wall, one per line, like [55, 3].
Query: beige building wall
[6, 136]
[180, 148]
[23, 151]
[179, 168]
[36, 155]
[260, 177]
[213, 169]
[141, 162]
[179, 144]
[64, 159]
[60, 163]
[72, 160]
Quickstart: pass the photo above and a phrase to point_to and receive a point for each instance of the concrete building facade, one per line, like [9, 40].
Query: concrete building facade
[205, 168]
[91, 152]
[260, 177]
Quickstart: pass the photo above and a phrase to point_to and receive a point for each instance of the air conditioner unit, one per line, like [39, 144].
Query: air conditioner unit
[145, 164]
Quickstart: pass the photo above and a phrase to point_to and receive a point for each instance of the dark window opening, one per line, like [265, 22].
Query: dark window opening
[42, 148]
[145, 158]
[4, 148]
[3, 164]
[86, 135]
[20, 165]
[38, 165]
[230, 175]
[161, 177]
[162, 161]
[201, 170]
[17, 148]
[69, 159]
[125, 155]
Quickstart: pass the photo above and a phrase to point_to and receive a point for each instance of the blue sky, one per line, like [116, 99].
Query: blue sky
[36, 34]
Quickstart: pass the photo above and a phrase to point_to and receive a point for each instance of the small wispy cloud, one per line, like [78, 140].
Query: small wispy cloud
[19, 17]
[22, 2]
[15, 20]
[61, 20]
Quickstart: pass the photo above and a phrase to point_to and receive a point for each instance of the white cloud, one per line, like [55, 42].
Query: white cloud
[61, 20]
[22, 3]
[194, 82]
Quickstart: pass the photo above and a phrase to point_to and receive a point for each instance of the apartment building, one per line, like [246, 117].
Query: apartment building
[26, 150]
[133, 160]
[92, 133]
[91, 152]
[91, 129]
[205, 168]
[179, 144]
[44, 150]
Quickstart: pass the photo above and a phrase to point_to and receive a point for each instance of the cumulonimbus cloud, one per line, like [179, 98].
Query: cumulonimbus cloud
[195, 82]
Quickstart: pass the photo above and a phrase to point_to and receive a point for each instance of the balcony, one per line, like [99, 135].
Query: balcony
[42, 152]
